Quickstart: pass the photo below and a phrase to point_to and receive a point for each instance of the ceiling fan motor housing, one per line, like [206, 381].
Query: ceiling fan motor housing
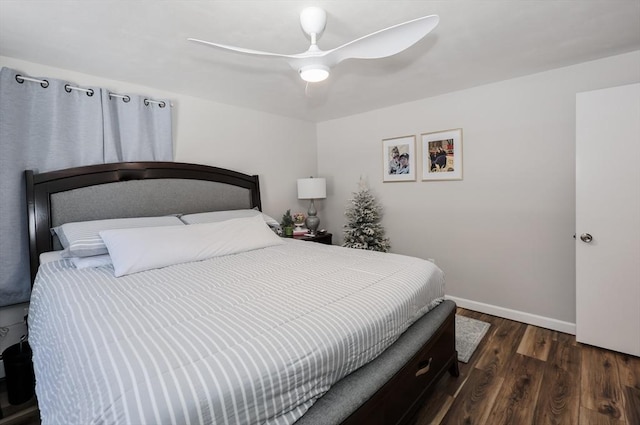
[313, 21]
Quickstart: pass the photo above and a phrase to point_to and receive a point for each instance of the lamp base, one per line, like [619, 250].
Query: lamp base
[312, 222]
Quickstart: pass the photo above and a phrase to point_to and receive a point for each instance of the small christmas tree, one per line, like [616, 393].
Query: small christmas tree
[363, 230]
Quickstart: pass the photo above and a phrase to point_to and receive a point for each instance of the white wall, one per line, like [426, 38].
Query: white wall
[503, 235]
[280, 150]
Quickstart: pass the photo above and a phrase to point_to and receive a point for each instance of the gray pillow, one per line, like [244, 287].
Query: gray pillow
[82, 239]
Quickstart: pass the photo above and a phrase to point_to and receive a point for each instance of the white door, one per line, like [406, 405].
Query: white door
[608, 218]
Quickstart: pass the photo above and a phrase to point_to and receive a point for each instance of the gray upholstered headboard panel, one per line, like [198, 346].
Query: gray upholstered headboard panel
[132, 189]
[146, 198]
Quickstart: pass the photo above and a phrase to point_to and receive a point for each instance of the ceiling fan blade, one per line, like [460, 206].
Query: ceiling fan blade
[242, 50]
[383, 43]
[314, 64]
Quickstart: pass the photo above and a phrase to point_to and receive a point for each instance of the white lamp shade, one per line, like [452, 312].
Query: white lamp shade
[312, 188]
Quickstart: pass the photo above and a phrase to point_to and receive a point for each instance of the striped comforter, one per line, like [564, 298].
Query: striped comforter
[248, 338]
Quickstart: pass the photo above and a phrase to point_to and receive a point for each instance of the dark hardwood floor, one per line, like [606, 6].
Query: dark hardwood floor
[525, 375]
[519, 375]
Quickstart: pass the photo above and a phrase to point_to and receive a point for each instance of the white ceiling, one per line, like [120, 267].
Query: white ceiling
[476, 42]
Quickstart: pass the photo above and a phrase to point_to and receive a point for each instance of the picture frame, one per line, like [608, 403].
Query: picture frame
[442, 155]
[399, 159]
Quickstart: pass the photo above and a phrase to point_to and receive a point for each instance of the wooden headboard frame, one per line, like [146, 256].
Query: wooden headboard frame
[40, 188]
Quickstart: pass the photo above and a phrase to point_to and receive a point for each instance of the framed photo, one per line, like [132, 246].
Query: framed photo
[399, 159]
[442, 155]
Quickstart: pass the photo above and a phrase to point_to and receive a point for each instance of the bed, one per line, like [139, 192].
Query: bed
[174, 344]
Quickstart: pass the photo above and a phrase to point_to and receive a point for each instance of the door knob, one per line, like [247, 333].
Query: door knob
[585, 237]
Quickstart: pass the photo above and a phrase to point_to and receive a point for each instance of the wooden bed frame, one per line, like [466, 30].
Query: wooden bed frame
[395, 402]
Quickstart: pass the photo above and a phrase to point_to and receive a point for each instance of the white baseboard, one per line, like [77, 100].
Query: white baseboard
[519, 316]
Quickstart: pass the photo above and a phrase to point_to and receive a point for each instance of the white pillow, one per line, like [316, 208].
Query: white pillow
[47, 257]
[93, 261]
[136, 250]
[81, 239]
[215, 216]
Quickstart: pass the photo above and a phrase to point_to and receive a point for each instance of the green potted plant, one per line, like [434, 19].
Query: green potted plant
[287, 224]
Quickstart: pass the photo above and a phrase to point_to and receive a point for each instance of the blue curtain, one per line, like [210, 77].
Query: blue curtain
[47, 126]
[135, 128]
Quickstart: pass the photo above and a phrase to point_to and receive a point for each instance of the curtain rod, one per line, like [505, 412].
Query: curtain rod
[43, 83]
[67, 87]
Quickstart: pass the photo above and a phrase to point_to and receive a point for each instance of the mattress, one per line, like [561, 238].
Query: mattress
[254, 337]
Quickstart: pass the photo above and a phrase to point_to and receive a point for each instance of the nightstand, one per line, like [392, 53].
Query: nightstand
[324, 238]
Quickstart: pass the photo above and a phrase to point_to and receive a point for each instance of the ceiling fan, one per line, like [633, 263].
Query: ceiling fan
[314, 64]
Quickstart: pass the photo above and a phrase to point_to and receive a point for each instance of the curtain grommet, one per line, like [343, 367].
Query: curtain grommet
[90, 92]
[44, 84]
[163, 104]
[126, 99]
[146, 102]
[67, 88]
[18, 77]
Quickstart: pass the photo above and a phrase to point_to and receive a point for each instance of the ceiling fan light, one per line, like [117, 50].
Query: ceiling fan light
[314, 73]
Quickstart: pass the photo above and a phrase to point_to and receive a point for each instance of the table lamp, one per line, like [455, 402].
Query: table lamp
[312, 188]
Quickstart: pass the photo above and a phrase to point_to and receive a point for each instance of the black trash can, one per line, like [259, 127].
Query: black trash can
[18, 369]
